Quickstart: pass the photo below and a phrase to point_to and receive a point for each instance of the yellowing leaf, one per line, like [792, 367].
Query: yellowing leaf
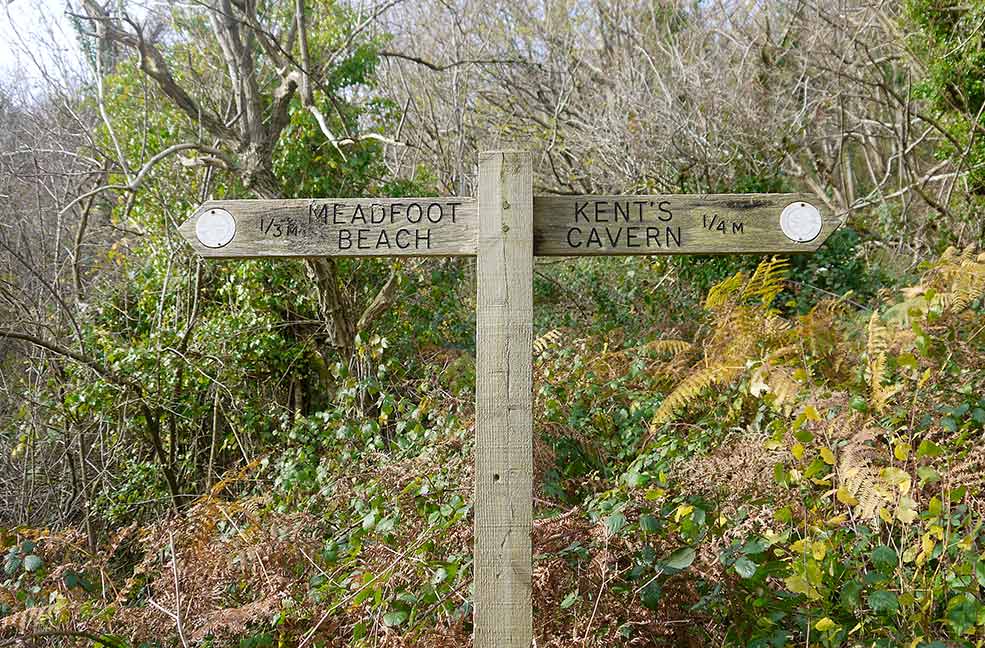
[924, 378]
[654, 494]
[909, 554]
[810, 413]
[798, 585]
[682, 511]
[828, 456]
[845, 497]
[797, 451]
[818, 550]
[898, 478]
[901, 451]
[825, 624]
[906, 512]
[884, 515]
[927, 543]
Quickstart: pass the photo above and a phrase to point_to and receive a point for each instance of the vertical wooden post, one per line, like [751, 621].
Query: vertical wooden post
[504, 390]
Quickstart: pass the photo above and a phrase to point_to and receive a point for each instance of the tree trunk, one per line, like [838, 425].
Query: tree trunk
[335, 313]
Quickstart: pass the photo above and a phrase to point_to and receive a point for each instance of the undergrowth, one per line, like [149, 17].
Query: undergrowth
[765, 476]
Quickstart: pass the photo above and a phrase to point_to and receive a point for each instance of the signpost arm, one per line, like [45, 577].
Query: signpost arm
[504, 391]
[511, 227]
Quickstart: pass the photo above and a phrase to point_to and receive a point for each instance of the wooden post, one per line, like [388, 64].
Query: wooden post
[504, 227]
[504, 390]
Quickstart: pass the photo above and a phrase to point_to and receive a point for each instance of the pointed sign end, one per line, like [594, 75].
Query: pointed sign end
[801, 222]
[804, 224]
[209, 229]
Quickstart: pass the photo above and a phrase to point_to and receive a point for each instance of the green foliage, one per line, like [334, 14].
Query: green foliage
[840, 267]
[628, 296]
[798, 472]
[788, 502]
[22, 575]
[947, 39]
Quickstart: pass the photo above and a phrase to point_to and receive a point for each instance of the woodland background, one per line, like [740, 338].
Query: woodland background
[730, 451]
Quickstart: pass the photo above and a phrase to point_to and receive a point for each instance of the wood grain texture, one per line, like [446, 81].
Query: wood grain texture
[668, 224]
[351, 227]
[504, 390]
[562, 226]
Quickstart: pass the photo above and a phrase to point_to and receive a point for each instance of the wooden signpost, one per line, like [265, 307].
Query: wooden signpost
[505, 227]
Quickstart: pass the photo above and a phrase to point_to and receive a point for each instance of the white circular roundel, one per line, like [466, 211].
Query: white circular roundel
[801, 222]
[215, 228]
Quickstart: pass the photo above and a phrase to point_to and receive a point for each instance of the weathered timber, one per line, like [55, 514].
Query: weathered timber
[562, 226]
[505, 227]
[677, 224]
[333, 227]
[504, 392]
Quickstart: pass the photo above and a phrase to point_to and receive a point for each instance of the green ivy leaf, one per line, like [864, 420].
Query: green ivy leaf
[850, 595]
[859, 404]
[11, 565]
[615, 522]
[928, 475]
[569, 600]
[71, 579]
[635, 479]
[745, 567]
[32, 563]
[978, 415]
[928, 448]
[394, 618]
[650, 596]
[962, 613]
[883, 602]
[649, 523]
[755, 546]
[109, 641]
[884, 558]
[803, 435]
[680, 559]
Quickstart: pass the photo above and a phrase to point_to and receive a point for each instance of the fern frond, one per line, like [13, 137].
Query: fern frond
[856, 475]
[968, 286]
[876, 347]
[829, 309]
[547, 341]
[725, 291]
[783, 352]
[767, 281]
[779, 382]
[774, 325]
[668, 347]
[785, 388]
[692, 387]
[968, 253]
